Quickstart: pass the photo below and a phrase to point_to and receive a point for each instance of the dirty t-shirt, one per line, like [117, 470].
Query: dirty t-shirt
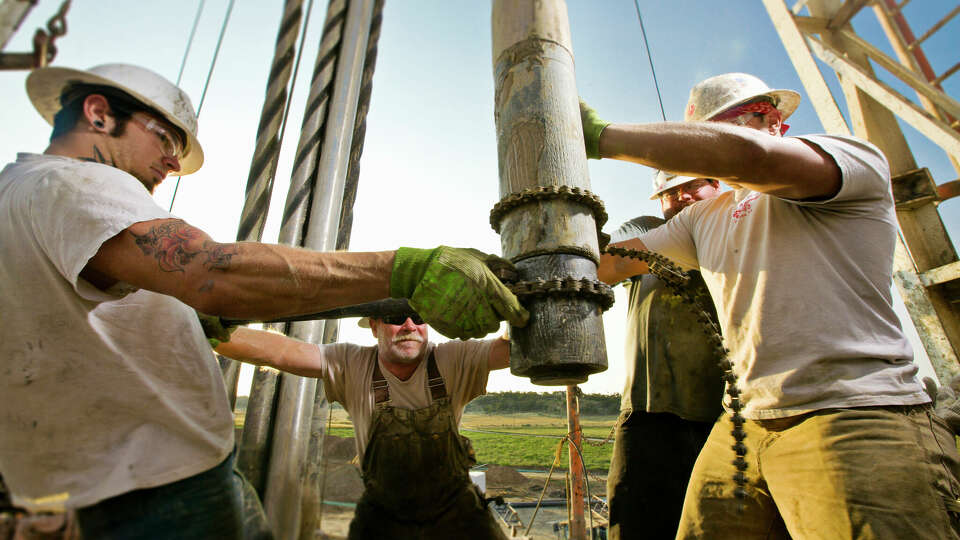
[803, 288]
[347, 373]
[673, 368]
[100, 392]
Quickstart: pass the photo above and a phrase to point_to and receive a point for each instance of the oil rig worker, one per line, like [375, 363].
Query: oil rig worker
[841, 439]
[405, 397]
[672, 391]
[112, 401]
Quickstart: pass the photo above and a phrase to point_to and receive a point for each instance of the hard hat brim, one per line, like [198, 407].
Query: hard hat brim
[670, 184]
[787, 103]
[45, 85]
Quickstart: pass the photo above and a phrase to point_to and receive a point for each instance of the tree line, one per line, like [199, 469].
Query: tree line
[549, 403]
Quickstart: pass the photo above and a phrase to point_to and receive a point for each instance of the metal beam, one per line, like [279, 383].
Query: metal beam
[920, 305]
[846, 12]
[928, 90]
[935, 129]
[941, 274]
[818, 91]
[12, 14]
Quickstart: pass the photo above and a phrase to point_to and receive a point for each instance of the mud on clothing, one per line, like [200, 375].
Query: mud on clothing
[415, 472]
[347, 369]
[840, 439]
[672, 394]
[110, 391]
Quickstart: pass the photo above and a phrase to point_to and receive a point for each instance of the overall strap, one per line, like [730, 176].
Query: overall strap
[438, 389]
[381, 390]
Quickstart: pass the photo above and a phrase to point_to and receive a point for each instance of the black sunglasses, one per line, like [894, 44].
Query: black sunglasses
[398, 320]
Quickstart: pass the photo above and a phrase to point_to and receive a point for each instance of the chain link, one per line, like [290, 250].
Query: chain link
[44, 47]
[545, 193]
[583, 287]
[667, 271]
[609, 437]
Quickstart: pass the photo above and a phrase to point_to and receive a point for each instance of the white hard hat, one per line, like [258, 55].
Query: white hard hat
[45, 85]
[662, 181]
[722, 92]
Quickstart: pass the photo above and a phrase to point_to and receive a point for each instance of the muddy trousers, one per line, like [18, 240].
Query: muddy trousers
[864, 473]
[653, 455]
[467, 518]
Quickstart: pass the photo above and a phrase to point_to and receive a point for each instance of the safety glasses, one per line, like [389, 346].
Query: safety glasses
[169, 143]
[398, 320]
[689, 188]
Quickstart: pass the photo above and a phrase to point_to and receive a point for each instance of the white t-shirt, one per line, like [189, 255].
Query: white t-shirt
[803, 288]
[348, 372]
[100, 393]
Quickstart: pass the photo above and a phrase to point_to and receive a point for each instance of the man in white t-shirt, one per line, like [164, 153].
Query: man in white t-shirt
[405, 397]
[111, 400]
[840, 439]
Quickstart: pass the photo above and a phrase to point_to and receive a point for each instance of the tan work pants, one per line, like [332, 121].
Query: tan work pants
[872, 472]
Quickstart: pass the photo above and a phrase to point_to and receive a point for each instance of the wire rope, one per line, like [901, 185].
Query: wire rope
[206, 83]
[293, 78]
[643, 32]
[193, 32]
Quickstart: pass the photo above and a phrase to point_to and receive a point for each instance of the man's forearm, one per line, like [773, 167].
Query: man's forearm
[275, 350]
[242, 280]
[613, 269]
[269, 281]
[694, 149]
[785, 167]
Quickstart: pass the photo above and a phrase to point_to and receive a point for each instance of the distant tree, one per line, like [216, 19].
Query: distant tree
[548, 403]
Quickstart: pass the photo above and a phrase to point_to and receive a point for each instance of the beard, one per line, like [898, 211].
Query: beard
[403, 350]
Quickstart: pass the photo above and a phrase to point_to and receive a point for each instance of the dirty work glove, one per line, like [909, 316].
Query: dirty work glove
[214, 330]
[592, 128]
[454, 290]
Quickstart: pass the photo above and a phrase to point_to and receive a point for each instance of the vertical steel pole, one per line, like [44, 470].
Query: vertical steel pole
[254, 441]
[297, 394]
[540, 147]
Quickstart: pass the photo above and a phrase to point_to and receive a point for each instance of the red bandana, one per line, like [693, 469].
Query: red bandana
[762, 107]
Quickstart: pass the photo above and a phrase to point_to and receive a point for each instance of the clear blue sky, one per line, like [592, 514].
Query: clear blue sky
[429, 169]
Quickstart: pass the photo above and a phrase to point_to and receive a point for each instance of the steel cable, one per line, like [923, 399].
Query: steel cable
[206, 84]
[276, 104]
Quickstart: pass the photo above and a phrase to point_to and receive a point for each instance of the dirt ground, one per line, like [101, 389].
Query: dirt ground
[344, 486]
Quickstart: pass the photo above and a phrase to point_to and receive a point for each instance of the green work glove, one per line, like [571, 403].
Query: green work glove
[592, 128]
[214, 330]
[455, 291]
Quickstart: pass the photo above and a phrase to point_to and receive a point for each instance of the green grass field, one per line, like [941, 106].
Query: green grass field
[519, 440]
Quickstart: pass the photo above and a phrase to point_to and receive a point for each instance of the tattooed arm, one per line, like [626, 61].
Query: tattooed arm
[243, 279]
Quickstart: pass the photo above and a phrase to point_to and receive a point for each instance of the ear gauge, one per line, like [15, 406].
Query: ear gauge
[98, 124]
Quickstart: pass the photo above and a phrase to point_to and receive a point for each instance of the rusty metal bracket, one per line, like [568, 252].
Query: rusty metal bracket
[914, 188]
[44, 44]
